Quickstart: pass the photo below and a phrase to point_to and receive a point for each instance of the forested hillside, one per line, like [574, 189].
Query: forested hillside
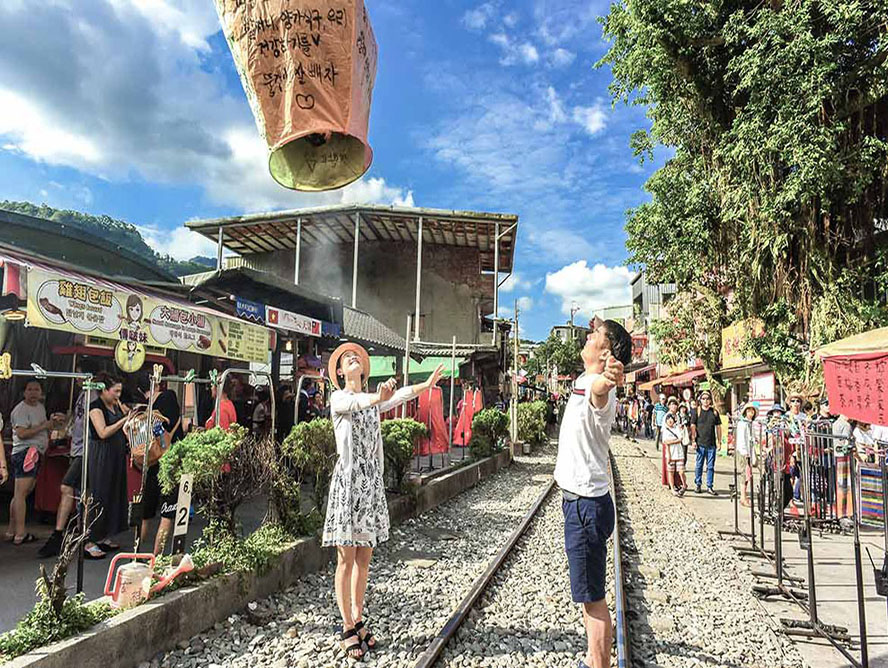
[116, 231]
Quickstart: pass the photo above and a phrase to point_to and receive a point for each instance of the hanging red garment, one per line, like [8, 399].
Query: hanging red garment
[479, 402]
[463, 432]
[431, 414]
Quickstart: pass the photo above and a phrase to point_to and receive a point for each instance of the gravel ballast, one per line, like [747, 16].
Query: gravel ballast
[689, 594]
[417, 578]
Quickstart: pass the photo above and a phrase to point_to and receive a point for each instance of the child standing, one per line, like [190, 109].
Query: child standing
[672, 445]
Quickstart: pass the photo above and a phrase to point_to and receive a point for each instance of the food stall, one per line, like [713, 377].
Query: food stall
[66, 318]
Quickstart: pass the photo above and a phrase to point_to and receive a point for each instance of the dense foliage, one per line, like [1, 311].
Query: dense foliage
[776, 115]
[564, 356]
[253, 554]
[311, 448]
[399, 438]
[532, 422]
[116, 231]
[202, 454]
[42, 626]
[489, 428]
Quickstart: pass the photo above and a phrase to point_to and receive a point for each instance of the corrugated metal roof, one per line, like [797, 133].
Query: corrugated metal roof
[367, 330]
[274, 231]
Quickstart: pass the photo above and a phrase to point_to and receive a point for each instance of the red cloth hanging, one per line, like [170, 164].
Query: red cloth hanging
[463, 433]
[431, 414]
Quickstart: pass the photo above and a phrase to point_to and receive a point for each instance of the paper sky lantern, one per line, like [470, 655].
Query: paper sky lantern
[308, 70]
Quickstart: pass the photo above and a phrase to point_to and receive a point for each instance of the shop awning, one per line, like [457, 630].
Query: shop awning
[685, 379]
[277, 230]
[649, 385]
[874, 341]
[71, 299]
[384, 366]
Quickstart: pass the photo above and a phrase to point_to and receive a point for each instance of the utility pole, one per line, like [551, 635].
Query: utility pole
[574, 309]
[514, 421]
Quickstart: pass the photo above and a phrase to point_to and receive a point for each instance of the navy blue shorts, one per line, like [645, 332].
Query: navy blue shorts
[18, 466]
[588, 523]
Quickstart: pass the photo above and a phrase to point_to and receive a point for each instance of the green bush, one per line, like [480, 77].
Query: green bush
[202, 454]
[253, 554]
[41, 626]
[311, 449]
[491, 423]
[398, 440]
[532, 422]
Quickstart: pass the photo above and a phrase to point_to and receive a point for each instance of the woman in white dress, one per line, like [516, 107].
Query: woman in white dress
[357, 512]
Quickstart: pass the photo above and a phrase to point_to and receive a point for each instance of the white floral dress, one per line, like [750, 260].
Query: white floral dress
[357, 510]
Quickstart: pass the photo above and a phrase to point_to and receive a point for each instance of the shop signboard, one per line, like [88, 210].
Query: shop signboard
[639, 347]
[249, 309]
[75, 304]
[734, 338]
[857, 386]
[292, 322]
[761, 391]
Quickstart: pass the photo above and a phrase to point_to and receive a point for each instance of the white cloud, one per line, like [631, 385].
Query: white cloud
[514, 52]
[556, 108]
[129, 89]
[525, 304]
[515, 281]
[590, 288]
[592, 118]
[179, 243]
[561, 57]
[510, 20]
[528, 52]
[476, 19]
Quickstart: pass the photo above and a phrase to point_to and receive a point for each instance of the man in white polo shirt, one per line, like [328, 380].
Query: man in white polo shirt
[581, 473]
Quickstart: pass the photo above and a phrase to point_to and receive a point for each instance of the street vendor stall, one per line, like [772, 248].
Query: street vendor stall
[855, 372]
[67, 318]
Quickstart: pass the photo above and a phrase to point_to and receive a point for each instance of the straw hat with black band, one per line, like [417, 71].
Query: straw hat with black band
[333, 364]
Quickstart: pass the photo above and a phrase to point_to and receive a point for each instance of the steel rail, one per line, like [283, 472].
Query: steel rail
[624, 644]
[433, 652]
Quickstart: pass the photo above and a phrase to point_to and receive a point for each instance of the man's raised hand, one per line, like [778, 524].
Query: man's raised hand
[613, 370]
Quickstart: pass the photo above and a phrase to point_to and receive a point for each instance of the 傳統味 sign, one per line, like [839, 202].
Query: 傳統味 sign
[292, 322]
[73, 304]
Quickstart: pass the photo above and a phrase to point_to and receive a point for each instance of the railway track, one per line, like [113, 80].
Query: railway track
[505, 559]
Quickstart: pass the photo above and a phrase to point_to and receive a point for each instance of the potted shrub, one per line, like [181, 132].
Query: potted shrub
[399, 438]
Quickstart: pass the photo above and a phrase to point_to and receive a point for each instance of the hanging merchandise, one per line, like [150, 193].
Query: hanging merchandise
[431, 414]
[462, 435]
[308, 73]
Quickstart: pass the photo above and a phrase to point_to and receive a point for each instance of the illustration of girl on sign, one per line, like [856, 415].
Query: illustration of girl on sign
[134, 311]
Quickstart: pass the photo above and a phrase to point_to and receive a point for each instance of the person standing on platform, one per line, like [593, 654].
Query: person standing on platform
[745, 444]
[705, 436]
[843, 431]
[581, 473]
[673, 447]
[30, 439]
[659, 412]
[71, 483]
[671, 409]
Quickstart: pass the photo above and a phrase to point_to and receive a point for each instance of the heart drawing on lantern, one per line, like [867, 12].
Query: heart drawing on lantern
[305, 101]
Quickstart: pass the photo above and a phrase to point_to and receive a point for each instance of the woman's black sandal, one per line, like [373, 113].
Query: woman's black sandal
[367, 640]
[354, 650]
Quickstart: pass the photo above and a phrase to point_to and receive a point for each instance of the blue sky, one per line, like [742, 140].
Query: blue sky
[133, 108]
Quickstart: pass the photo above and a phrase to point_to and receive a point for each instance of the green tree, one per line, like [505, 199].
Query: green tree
[776, 115]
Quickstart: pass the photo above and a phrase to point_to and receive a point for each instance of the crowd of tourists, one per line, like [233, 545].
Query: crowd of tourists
[676, 425]
[116, 417]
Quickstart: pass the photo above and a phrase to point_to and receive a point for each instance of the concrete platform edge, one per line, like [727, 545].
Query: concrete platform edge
[139, 634]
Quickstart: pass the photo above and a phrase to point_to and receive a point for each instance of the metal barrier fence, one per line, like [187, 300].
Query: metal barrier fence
[811, 479]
